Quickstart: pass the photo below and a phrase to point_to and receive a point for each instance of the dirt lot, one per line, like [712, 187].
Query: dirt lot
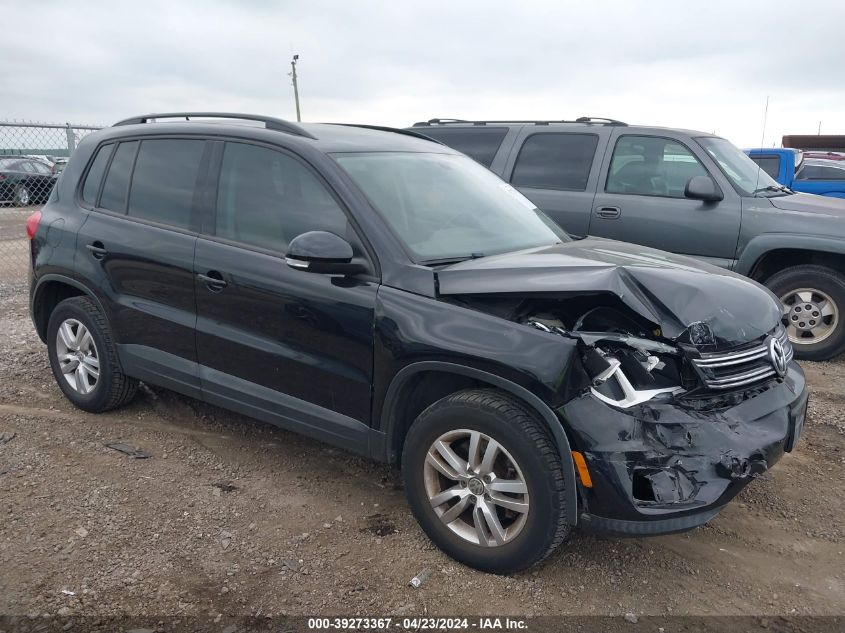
[236, 517]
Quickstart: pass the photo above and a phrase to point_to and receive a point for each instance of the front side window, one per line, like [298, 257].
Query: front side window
[95, 175]
[555, 161]
[164, 179]
[769, 164]
[448, 207]
[116, 185]
[266, 198]
[814, 171]
[651, 166]
[480, 143]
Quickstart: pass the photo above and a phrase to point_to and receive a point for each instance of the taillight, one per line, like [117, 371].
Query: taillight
[32, 224]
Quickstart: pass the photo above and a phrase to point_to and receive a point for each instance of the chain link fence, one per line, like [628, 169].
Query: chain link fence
[32, 155]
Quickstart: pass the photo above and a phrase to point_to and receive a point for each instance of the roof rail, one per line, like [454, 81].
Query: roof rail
[395, 130]
[271, 123]
[583, 119]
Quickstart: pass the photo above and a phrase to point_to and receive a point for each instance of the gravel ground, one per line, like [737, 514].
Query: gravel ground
[232, 516]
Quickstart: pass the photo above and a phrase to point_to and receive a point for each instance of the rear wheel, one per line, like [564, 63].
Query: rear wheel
[22, 197]
[84, 358]
[814, 301]
[485, 481]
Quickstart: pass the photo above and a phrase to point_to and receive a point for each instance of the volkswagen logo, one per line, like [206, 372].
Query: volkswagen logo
[778, 356]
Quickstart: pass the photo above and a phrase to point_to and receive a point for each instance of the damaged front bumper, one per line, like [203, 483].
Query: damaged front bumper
[658, 468]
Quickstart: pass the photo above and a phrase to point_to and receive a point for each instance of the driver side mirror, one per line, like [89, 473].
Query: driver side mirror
[321, 252]
[703, 188]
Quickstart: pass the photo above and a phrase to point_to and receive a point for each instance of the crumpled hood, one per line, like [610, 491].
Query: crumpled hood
[808, 203]
[671, 291]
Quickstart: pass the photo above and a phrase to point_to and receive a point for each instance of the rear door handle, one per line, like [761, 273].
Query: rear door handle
[608, 213]
[98, 251]
[213, 280]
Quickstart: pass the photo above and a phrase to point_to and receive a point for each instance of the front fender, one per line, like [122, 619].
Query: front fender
[762, 244]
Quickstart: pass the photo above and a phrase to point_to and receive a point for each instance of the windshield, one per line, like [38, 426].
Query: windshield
[447, 207]
[746, 176]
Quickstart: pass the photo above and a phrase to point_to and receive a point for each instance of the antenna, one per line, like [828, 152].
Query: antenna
[762, 140]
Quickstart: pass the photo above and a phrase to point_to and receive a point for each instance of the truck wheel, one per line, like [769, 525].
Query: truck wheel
[814, 298]
[84, 359]
[485, 481]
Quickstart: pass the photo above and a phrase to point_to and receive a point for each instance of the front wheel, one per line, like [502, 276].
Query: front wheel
[485, 481]
[814, 300]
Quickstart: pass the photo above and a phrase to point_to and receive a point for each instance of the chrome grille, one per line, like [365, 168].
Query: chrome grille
[738, 368]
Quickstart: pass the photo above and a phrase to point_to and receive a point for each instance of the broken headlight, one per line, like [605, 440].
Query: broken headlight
[628, 372]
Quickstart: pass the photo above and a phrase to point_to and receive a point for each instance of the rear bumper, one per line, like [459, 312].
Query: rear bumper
[664, 468]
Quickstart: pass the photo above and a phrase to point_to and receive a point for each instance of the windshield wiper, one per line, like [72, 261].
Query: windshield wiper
[451, 260]
[774, 188]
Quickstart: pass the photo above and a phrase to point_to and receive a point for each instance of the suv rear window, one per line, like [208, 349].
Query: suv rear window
[163, 181]
[479, 143]
[555, 161]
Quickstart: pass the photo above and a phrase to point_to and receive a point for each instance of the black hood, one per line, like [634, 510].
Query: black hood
[671, 291]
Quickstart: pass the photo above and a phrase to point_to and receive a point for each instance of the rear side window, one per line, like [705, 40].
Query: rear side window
[479, 143]
[555, 161]
[820, 172]
[95, 175]
[116, 185]
[266, 198]
[769, 164]
[164, 180]
[651, 166]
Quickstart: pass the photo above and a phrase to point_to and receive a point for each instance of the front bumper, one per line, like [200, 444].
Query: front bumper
[661, 468]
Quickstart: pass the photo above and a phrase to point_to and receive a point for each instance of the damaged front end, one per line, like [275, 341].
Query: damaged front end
[670, 427]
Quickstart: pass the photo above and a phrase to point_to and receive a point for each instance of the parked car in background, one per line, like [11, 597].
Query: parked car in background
[800, 172]
[825, 155]
[25, 181]
[382, 292]
[677, 190]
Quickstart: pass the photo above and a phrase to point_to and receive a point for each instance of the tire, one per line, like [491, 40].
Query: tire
[824, 290]
[111, 388]
[22, 197]
[530, 536]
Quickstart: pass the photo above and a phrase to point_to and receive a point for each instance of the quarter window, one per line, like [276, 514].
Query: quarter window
[480, 143]
[164, 180]
[95, 175]
[116, 185]
[555, 161]
[266, 198]
[651, 166]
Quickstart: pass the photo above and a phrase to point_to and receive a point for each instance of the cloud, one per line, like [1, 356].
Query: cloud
[707, 66]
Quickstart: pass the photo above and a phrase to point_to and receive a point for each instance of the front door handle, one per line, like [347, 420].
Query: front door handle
[608, 213]
[213, 280]
[98, 251]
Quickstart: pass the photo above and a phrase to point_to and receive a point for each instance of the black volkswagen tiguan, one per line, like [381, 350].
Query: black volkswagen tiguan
[383, 293]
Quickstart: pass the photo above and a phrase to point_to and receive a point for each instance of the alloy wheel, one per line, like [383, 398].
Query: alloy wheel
[22, 197]
[812, 316]
[476, 487]
[77, 356]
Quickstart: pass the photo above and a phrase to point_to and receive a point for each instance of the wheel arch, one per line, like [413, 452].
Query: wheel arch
[767, 255]
[420, 384]
[51, 290]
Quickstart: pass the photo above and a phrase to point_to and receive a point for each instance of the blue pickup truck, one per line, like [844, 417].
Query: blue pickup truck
[808, 175]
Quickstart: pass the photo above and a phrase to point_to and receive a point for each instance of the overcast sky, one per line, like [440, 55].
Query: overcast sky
[701, 64]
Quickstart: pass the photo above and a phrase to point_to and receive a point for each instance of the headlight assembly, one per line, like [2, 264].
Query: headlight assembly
[625, 377]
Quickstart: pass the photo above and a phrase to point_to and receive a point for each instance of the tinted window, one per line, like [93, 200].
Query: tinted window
[555, 161]
[819, 172]
[40, 168]
[480, 144]
[164, 179]
[95, 175]
[651, 166]
[8, 163]
[117, 180]
[769, 164]
[27, 166]
[266, 198]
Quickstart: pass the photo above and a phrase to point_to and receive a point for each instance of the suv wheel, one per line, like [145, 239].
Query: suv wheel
[84, 359]
[814, 300]
[22, 197]
[485, 482]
